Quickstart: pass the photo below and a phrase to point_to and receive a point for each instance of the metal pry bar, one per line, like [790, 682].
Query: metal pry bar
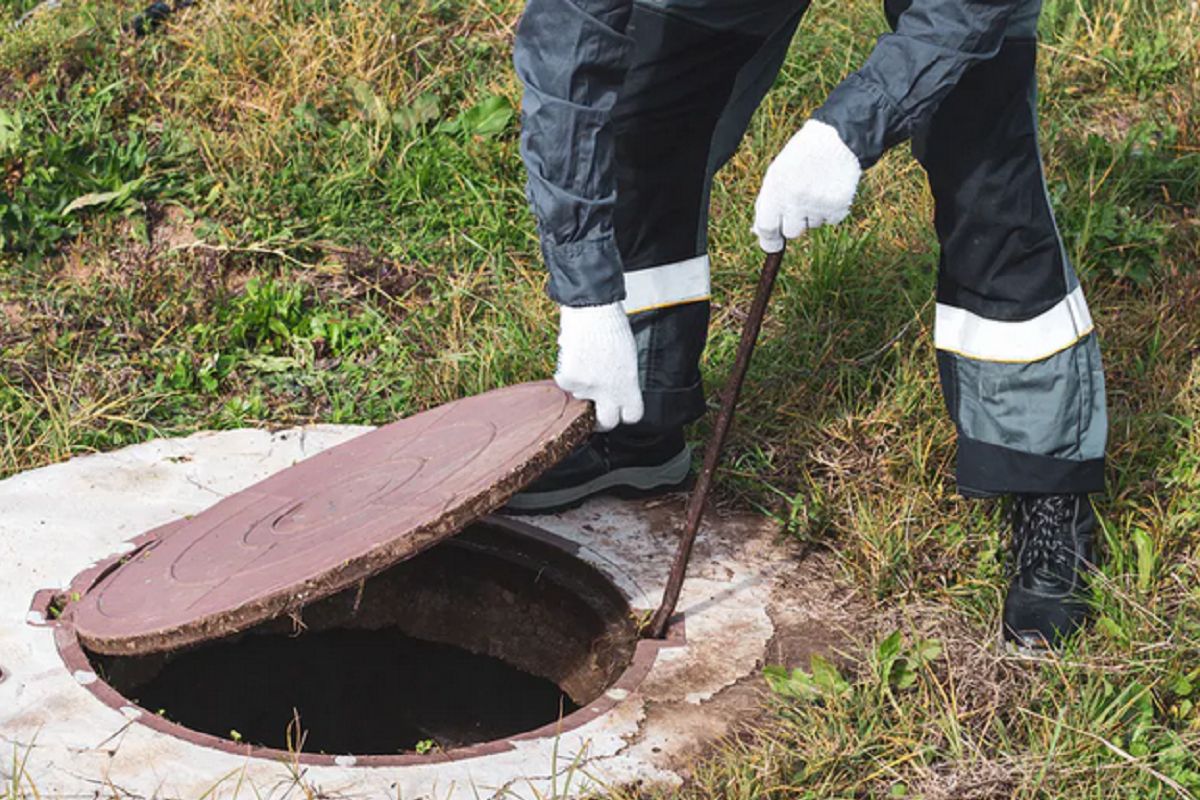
[657, 628]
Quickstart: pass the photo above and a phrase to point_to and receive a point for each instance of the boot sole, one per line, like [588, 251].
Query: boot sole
[627, 482]
[1036, 653]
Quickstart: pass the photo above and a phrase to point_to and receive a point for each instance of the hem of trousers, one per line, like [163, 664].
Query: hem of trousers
[668, 410]
[988, 470]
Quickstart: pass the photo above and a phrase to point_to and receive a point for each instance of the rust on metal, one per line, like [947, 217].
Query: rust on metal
[330, 521]
[659, 623]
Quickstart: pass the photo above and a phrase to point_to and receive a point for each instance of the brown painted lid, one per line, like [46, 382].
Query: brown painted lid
[330, 521]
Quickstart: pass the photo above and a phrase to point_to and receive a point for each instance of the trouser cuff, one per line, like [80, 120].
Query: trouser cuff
[986, 470]
[668, 410]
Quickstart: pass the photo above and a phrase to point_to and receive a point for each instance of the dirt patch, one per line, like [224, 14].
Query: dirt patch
[1112, 123]
[812, 614]
[357, 273]
[82, 265]
[686, 736]
[13, 316]
[133, 256]
[978, 780]
[173, 229]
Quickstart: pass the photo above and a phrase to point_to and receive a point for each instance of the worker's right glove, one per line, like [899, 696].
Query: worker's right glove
[809, 184]
[597, 361]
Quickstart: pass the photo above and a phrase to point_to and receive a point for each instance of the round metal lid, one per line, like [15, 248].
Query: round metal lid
[330, 521]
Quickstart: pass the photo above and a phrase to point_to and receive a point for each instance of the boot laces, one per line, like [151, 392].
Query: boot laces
[1042, 534]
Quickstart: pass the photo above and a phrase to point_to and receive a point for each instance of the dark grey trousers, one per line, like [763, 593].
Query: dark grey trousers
[1018, 358]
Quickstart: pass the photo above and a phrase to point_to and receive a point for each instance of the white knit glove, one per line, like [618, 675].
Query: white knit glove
[597, 361]
[810, 183]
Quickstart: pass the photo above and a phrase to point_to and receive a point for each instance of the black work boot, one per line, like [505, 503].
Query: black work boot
[1052, 554]
[609, 463]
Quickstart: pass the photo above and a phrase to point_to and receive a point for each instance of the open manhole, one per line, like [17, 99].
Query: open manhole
[361, 604]
[491, 634]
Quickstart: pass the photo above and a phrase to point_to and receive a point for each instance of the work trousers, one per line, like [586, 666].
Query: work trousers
[1017, 355]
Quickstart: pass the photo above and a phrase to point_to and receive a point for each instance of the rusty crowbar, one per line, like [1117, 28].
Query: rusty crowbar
[699, 497]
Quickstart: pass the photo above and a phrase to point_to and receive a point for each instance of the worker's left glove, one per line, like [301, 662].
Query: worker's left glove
[810, 183]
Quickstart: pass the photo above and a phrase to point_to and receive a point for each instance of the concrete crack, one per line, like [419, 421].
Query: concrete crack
[192, 480]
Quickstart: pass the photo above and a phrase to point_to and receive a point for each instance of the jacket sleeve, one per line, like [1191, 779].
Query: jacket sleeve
[572, 56]
[911, 71]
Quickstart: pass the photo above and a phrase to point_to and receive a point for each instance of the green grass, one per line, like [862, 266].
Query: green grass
[281, 211]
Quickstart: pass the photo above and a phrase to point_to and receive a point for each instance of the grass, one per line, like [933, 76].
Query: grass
[273, 212]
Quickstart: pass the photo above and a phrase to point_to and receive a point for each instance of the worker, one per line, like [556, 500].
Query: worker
[631, 106]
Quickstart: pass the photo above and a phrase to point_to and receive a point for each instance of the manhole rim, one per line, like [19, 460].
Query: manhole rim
[75, 660]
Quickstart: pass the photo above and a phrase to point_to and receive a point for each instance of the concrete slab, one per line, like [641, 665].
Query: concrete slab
[748, 602]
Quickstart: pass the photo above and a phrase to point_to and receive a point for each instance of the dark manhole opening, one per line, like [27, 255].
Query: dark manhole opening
[353, 691]
[487, 635]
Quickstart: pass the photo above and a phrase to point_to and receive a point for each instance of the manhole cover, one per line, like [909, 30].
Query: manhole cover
[330, 521]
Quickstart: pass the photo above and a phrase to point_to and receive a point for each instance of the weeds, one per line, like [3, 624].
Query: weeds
[15, 781]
